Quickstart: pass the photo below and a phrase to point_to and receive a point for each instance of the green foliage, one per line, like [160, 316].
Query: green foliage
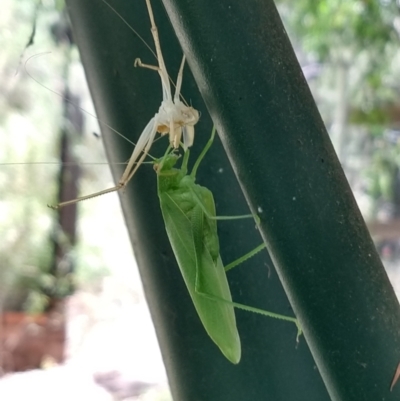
[30, 120]
[359, 35]
[382, 174]
[357, 47]
[327, 26]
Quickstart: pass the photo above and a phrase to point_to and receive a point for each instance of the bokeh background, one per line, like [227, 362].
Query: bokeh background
[73, 318]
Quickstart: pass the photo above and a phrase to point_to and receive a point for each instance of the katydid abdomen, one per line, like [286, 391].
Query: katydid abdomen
[194, 240]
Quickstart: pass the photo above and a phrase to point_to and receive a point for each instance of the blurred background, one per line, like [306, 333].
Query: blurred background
[73, 317]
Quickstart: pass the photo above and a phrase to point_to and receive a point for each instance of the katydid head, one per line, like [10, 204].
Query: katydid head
[164, 165]
[167, 176]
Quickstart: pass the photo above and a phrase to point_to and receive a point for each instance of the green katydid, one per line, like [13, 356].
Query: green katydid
[189, 215]
[190, 221]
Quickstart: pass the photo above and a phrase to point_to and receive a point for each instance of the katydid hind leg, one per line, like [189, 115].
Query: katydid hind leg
[263, 312]
[243, 258]
[247, 308]
[259, 311]
[241, 306]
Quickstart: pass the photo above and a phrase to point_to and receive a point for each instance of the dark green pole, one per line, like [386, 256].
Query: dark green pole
[254, 89]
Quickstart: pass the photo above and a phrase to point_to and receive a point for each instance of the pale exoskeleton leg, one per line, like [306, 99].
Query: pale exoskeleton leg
[143, 146]
[174, 117]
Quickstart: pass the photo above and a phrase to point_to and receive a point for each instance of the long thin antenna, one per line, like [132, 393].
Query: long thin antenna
[130, 27]
[69, 101]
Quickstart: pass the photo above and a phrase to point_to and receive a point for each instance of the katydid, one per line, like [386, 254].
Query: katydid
[190, 219]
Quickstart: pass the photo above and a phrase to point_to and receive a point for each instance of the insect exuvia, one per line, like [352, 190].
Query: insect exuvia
[174, 117]
[190, 221]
